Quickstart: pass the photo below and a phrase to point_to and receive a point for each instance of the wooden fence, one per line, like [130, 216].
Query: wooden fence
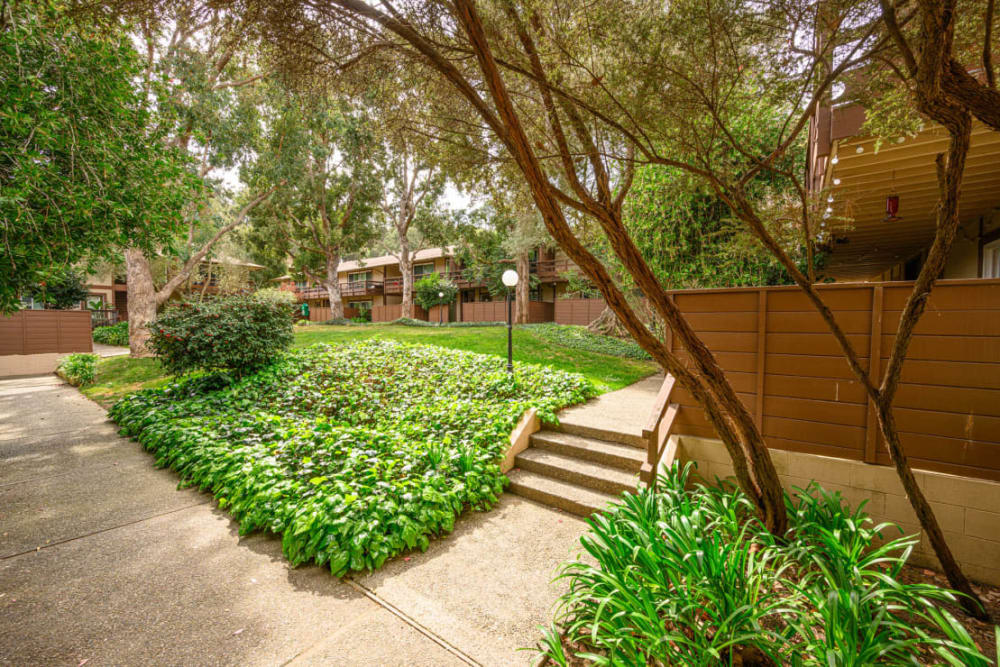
[788, 370]
[578, 311]
[394, 311]
[323, 313]
[496, 311]
[45, 331]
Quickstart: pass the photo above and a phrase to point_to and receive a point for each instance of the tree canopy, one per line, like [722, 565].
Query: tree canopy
[84, 168]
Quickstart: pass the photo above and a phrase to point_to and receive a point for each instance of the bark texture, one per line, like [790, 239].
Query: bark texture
[522, 292]
[406, 268]
[331, 281]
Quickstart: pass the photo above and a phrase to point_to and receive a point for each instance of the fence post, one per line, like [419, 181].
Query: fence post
[761, 355]
[874, 372]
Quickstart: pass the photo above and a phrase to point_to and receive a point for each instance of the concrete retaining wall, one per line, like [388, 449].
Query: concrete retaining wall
[968, 509]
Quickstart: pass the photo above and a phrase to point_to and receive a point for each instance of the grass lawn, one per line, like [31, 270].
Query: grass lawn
[118, 376]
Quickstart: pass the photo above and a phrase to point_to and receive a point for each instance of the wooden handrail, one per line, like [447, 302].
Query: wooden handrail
[657, 431]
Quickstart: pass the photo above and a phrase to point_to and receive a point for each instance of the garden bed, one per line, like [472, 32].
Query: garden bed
[352, 453]
[687, 575]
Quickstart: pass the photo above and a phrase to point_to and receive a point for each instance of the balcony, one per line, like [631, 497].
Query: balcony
[352, 289]
[552, 270]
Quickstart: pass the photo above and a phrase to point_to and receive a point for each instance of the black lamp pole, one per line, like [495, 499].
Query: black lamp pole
[510, 337]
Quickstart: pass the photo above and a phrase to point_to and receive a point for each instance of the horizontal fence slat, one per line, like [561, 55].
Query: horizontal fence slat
[45, 332]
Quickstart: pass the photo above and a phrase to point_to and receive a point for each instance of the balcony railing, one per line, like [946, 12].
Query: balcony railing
[551, 269]
[357, 288]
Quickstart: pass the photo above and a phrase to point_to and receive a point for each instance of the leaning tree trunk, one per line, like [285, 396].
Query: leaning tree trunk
[332, 284]
[523, 289]
[406, 268]
[141, 301]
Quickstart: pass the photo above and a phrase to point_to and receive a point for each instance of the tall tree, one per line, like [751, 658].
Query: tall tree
[324, 151]
[204, 81]
[410, 203]
[575, 96]
[81, 172]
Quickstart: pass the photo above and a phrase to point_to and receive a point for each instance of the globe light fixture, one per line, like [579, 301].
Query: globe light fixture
[509, 279]
[440, 308]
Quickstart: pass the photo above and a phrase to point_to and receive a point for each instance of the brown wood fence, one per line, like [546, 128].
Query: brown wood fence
[789, 371]
[578, 311]
[323, 313]
[45, 331]
[394, 312]
[496, 311]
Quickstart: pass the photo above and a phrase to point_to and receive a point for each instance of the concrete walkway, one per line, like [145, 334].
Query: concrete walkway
[109, 350]
[104, 561]
[624, 411]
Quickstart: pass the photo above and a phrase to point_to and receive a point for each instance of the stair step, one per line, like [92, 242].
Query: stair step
[567, 424]
[577, 471]
[618, 455]
[568, 497]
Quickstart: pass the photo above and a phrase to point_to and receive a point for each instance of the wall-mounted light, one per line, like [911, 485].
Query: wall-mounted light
[859, 150]
[836, 181]
[835, 160]
[829, 198]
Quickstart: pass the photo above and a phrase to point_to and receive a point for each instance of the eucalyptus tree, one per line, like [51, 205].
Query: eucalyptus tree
[414, 184]
[577, 98]
[202, 78]
[81, 172]
[324, 153]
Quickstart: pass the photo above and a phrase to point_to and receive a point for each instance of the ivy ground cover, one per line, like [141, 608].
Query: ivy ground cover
[352, 453]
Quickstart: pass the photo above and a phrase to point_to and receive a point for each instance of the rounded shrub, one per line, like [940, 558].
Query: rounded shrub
[237, 334]
[78, 369]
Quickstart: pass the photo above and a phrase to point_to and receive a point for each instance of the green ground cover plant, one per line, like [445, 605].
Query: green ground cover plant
[579, 338]
[352, 453]
[78, 369]
[687, 575]
[116, 334]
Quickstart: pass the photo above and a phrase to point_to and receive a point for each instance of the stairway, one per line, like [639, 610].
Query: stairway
[578, 467]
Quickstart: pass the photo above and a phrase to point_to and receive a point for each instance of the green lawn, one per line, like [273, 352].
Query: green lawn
[118, 376]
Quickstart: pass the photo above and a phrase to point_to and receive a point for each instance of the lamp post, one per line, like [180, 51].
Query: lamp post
[440, 308]
[509, 279]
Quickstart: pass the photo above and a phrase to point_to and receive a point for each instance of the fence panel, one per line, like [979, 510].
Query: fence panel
[577, 311]
[45, 331]
[789, 370]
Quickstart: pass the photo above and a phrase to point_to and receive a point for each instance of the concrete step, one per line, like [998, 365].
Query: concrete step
[614, 454]
[626, 434]
[576, 471]
[567, 497]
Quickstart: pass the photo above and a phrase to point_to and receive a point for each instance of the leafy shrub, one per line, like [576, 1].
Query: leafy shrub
[78, 369]
[235, 333]
[579, 338]
[60, 289]
[687, 575]
[302, 323]
[410, 322]
[353, 453]
[275, 294]
[427, 289]
[116, 334]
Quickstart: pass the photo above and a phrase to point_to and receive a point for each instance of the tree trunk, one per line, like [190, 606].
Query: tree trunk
[332, 284]
[523, 290]
[141, 301]
[406, 268]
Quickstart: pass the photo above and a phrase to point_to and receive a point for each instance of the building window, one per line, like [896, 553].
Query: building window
[421, 270]
[991, 259]
[534, 294]
[359, 276]
[360, 305]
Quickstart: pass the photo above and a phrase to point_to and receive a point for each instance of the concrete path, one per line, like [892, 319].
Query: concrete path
[625, 410]
[104, 561]
[109, 350]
